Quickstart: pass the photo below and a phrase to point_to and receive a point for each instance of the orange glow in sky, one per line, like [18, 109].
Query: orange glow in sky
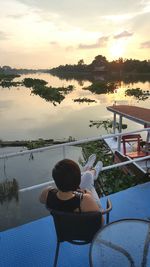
[45, 34]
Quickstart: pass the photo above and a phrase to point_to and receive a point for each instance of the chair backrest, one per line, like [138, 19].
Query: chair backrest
[76, 226]
[131, 138]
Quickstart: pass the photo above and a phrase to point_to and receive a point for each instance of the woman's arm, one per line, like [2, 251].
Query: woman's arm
[44, 194]
[88, 204]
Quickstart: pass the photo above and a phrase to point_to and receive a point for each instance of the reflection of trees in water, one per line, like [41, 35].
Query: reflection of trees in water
[130, 77]
[9, 190]
[78, 76]
[107, 77]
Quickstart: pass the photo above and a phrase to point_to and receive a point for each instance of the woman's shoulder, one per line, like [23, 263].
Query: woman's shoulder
[88, 203]
[46, 192]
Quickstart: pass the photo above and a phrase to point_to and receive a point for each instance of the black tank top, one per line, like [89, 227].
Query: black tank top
[53, 202]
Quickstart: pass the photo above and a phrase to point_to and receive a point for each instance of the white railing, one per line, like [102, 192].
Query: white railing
[82, 141]
[77, 143]
[103, 169]
[16, 154]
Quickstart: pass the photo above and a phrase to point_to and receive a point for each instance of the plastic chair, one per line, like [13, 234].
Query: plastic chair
[77, 228]
[134, 138]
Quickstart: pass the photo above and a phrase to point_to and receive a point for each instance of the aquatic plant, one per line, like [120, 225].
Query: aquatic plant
[106, 124]
[8, 190]
[113, 180]
[66, 90]
[8, 77]
[51, 94]
[101, 87]
[48, 93]
[9, 84]
[137, 93]
[29, 82]
[6, 80]
[84, 99]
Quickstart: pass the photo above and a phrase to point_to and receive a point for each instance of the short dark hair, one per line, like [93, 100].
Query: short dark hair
[67, 175]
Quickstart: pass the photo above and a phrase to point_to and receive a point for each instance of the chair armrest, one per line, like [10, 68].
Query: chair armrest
[107, 210]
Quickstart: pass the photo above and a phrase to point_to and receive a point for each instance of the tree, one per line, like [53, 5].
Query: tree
[99, 60]
[81, 62]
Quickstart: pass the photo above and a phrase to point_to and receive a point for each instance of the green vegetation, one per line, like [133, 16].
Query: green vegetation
[6, 80]
[8, 76]
[119, 66]
[113, 180]
[50, 94]
[82, 100]
[138, 93]
[101, 87]
[38, 143]
[106, 124]
[8, 190]
[8, 84]
[66, 90]
[29, 82]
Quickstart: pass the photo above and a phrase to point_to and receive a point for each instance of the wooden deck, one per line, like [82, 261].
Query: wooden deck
[137, 114]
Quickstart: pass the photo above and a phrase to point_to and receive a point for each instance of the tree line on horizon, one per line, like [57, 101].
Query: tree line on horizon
[102, 65]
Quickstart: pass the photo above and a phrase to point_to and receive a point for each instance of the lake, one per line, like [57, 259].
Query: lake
[26, 117]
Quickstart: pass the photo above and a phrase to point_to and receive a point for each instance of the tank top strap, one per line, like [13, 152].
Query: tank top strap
[79, 195]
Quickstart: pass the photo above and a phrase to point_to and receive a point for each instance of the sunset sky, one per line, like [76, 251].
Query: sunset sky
[47, 33]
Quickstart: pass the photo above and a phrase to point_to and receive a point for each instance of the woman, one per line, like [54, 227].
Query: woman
[75, 191]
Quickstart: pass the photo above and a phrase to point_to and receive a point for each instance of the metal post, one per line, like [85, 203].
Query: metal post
[120, 129]
[114, 123]
[64, 152]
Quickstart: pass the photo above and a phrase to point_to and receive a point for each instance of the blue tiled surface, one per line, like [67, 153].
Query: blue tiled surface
[33, 244]
[131, 203]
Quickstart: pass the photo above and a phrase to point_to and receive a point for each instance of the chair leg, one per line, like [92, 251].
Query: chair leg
[107, 215]
[56, 254]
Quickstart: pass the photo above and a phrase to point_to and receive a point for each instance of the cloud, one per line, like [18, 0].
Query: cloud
[69, 48]
[53, 43]
[101, 42]
[123, 34]
[145, 44]
[3, 35]
[17, 16]
[72, 11]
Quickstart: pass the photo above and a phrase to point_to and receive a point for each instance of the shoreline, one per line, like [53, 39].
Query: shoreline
[33, 143]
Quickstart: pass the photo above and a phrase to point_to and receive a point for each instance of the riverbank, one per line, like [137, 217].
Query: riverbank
[30, 144]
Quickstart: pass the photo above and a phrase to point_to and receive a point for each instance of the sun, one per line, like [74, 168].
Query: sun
[117, 49]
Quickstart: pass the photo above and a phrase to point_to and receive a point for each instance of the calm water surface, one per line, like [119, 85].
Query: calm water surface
[26, 116]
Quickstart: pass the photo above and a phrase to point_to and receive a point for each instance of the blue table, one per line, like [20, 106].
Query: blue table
[121, 244]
